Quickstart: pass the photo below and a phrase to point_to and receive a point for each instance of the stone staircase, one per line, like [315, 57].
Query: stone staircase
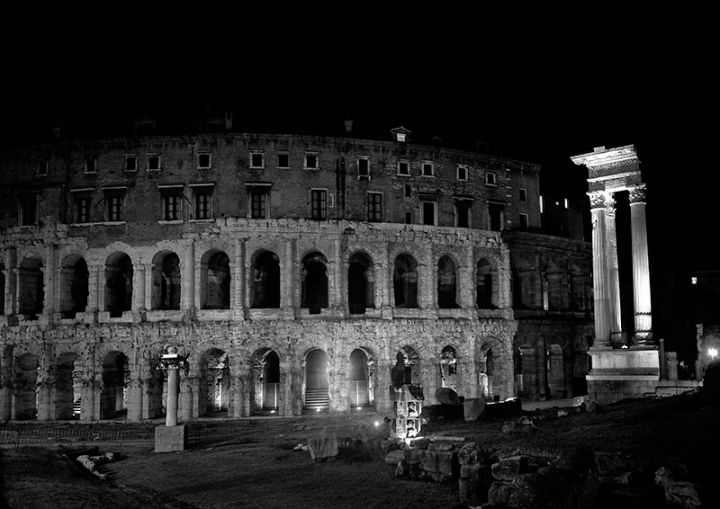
[317, 399]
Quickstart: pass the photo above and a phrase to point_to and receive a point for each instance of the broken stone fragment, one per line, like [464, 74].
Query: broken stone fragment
[395, 457]
[508, 469]
[414, 456]
[682, 495]
[468, 455]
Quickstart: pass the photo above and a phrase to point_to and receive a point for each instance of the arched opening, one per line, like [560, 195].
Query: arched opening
[490, 372]
[314, 282]
[362, 390]
[266, 381]
[32, 288]
[215, 391]
[74, 276]
[2, 288]
[215, 281]
[484, 285]
[115, 378]
[446, 286]
[68, 383]
[448, 368]
[316, 381]
[407, 367]
[266, 281]
[118, 284]
[405, 278]
[361, 284]
[25, 394]
[166, 281]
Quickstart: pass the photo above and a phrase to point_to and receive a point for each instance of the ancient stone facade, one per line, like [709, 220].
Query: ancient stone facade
[292, 271]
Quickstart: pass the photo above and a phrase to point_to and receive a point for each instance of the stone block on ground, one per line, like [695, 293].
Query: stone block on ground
[414, 456]
[395, 457]
[508, 469]
[447, 396]
[473, 408]
[447, 463]
[430, 461]
[171, 438]
[323, 447]
[468, 454]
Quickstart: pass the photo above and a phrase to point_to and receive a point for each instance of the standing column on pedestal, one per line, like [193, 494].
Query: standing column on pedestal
[602, 306]
[641, 267]
[613, 274]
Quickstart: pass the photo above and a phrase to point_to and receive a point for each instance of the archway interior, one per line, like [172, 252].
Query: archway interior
[25, 395]
[115, 378]
[166, 281]
[314, 283]
[74, 288]
[484, 285]
[446, 283]
[217, 378]
[68, 383]
[448, 368]
[316, 380]
[118, 284]
[266, 281]
[361, 284]
[361, 388]
[216, 287]
[266, 381]
[405, 281]
[32, 288]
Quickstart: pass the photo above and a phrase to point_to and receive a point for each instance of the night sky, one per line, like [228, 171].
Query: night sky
[535, 89]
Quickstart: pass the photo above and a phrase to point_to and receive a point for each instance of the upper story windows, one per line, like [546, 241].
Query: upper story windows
[491, 178]
[115, 204]
[204, 161]
[258, 200]
[27, 209]
[154, 162]
[522, 194]
[311, 161]
[90, 165]
[42, 168]
[428, 169]
[374, 207]
[318, 204]
[462, 172]
[172, 200]
[257, 159]
[131, 162]
[283, 160]
[202, 201]
[363, 168]
[82, 205]
[403, 167]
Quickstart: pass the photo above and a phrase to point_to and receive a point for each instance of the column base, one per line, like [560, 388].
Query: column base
[171, 438]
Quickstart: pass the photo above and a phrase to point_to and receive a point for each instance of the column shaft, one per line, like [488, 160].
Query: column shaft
[602, 307]
[172, 397]
[641, 270]
[613, 274]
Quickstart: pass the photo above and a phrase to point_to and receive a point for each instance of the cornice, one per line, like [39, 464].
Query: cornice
[602, 157]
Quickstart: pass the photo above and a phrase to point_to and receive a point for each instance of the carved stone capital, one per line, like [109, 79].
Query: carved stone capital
[597, 199]
[638, 194]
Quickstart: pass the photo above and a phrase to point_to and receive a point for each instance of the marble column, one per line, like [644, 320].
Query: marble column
[641, 267]
[602, 305]
[613, 274]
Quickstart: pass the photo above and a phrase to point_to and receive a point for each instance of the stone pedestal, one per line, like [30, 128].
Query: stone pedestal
[171, 438]
[622, 373]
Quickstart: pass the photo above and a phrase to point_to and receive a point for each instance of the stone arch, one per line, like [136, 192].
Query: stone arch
[580, 291]
[554, 283]
[118, 283]
[362, 378]
[486, 284]
[74, 287]
[115, 378]
[68, 386]
[25, 390]
[214, 389]
[361, 283]
[405, 281]
[31, 287]
[166, 281]
[316, 380]
[449, 368]
[524, 280]
[314, 283]
[447, 283]
[265, 288]
[267, 396]
[215, 280]
[556, 376]
[407, 369]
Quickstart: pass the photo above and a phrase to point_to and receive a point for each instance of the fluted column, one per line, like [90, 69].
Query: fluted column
[602, 306]
[613, 274]
[641, 267]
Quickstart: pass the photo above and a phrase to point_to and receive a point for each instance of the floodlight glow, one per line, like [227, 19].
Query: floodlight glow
[377, 423]
[317, 409]
[712, 352]
[359, 408]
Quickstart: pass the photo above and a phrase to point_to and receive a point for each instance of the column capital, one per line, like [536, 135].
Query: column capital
[597, 199]
[638, 194]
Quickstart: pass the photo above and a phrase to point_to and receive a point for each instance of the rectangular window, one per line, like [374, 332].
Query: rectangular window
[374, 207]
[82, 209]
[491, 178]
[27, 209]
[462, 215]
[363, 168]
[203, 203]
[428, 169]
[311, 161]
[172, 202]
[408, 218]
[42, 168]
[567, 204]
[403, 168]
[90, 165]
[283, 160]
[153, 162]
[130, 163]
[408, 190]
[524, 222]
[318, 204]
[258, 205]
[204, 161]
[541, 205]
[428, 208]
[523, 194]
[257, 160]
[462, 172]
[115, 207]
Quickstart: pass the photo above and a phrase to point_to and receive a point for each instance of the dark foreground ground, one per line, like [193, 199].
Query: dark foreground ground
[262, 470]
